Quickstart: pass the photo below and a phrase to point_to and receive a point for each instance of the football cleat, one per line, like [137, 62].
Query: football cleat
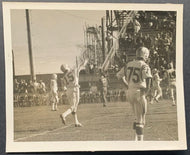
[173, 104]
[63, 119]
[78, 125]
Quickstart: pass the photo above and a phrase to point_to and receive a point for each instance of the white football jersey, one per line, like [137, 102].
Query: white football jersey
[156, 80]
[136, 72]
[53, 85]
[170, 75]
[68, 79]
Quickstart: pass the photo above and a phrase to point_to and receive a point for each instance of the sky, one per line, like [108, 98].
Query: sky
[55, 35]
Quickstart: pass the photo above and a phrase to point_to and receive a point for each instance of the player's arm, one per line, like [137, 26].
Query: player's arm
[82, 65]
[146, 73]
[158, 78]
[82, 62]
[125, 81]
[148, 84]
[121, 75]
[76, 78]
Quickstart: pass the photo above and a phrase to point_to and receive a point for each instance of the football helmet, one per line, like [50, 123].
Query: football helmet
[54, 76]
[142, 52]
[154, 71]
[64, 68]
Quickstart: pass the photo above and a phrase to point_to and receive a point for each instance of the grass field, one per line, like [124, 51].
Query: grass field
[113, 122]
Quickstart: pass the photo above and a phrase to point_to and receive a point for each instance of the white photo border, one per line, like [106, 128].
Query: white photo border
[12, 146]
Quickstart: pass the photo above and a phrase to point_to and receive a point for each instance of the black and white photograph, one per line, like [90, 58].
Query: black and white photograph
[94, 77]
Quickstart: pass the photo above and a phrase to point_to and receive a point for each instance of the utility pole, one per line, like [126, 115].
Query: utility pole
[103, 40]
[30, 45]
[13, 61]
[95, 54]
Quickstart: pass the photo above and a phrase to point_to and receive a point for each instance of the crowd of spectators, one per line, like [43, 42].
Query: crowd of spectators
[154, 30]
[95, 97]
[158, 20]
[22, 86]
[29, 93]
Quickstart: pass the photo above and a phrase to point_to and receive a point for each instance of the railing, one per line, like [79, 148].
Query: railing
[113, 49]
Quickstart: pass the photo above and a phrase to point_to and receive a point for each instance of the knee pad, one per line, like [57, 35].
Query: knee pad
[73, 111]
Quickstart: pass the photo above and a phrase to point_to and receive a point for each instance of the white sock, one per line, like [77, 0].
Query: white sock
[140, 137]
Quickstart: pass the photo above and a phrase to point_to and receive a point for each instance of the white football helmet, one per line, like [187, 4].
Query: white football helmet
[142, 52]
[64, 68]
[154, 71]
[54, 76]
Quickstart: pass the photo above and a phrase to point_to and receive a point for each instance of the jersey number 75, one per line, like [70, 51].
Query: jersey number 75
[134, 74]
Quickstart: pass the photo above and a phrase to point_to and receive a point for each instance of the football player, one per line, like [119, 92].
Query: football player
[170, 77]
[53, 93]
[104, 89]
[156, 89]
[70, 81]
[136, 75]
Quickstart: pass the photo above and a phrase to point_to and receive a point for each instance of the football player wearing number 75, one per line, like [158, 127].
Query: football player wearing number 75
[136, 75]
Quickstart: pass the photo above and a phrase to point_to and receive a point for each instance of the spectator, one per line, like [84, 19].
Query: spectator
[23, 86]
[42, 87]
[147, 41]
[137, 26]
[30, 87]
[16, 86]
[139, 40]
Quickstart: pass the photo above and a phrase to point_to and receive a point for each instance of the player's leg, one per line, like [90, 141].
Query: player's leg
[65, 114]
[72, 110]
[153, 94]
[141, 109]
[133, 96]
[172, 95]
[52, 100]
[104, 94]
[159, 93]
[140, 120]
[76, 98]
[56, 101]
[68, 111]
[134, 107]
[69, 96]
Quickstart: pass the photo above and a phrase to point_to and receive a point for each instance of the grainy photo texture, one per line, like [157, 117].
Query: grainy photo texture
[94, 75]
